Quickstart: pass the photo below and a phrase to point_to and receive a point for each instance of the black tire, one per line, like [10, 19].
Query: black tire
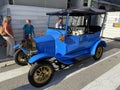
[98, 52]
[40, 74]
[20, 57]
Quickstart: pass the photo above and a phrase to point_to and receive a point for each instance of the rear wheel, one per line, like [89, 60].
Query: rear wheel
[98, 52]
[40, 74]
[20, 57]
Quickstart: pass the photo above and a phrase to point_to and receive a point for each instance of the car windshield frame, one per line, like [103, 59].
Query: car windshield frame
[75, 12]
[53, 19]
[78, 12]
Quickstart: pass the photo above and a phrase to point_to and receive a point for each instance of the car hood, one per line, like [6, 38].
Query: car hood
[46, 38]
[45, 44]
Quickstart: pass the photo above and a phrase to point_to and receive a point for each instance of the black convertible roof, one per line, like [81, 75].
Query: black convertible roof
[79, 12]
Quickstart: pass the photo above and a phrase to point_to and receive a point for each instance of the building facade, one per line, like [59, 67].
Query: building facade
[38, 3]
[110, 5]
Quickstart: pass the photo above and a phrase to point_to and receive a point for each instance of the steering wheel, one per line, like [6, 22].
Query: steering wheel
[63, 26]
[69, 30]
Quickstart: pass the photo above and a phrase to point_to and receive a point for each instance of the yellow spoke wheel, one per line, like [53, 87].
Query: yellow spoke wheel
[40, 74]
[20, 57]
[98, 52]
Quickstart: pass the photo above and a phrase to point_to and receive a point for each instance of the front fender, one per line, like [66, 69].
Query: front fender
[16, 46]
[93, 49]
[37, 57]
[24, 50]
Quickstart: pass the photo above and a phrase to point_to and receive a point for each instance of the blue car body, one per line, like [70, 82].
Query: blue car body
[50, 45]
[73, 46]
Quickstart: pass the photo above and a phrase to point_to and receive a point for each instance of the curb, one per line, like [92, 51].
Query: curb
[5, 59]
[7, 63]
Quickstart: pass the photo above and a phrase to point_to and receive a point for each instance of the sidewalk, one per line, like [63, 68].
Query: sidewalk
[3, 56]
[4, 61]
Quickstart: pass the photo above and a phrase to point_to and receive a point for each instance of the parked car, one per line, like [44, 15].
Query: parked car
[79, 36]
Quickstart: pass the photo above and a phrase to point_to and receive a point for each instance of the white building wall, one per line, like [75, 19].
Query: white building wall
[110, 31]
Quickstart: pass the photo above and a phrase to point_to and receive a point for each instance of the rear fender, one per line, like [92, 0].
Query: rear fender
[37, 57]
[93, 49]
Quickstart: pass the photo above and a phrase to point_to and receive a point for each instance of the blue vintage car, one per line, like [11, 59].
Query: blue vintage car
[78, 35]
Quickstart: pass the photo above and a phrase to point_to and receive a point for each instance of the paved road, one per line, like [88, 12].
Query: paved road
[84, 75]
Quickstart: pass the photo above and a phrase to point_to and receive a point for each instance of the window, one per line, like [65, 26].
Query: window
[11, 2]
[102, 7]
[85, 3]
[69, 4]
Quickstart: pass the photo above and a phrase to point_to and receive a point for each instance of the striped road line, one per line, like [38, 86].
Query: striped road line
[108, 81]
[13, 73]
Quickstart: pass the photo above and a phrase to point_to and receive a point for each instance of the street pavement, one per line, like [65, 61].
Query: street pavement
[86, 74]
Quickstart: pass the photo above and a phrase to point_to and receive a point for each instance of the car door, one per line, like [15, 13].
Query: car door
[76, 43]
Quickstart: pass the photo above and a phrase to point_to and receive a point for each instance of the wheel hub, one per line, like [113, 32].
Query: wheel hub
[99, 52]
[42, 74]
[22, 58]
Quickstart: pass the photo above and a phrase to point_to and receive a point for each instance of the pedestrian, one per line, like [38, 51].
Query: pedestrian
[8, 35]
[28, 29]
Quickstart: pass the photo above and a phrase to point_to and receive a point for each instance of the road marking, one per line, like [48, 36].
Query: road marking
[24, 69]
[102, 59]
[108, 81]
[13, 73]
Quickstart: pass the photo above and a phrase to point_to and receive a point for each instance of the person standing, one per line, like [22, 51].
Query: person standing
[28, 29]
[8, 35]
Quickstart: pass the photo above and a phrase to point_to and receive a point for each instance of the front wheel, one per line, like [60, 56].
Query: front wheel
[20, 57]
[98, 52]
[40, 74]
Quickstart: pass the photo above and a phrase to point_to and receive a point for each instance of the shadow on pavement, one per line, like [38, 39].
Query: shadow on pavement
[62, 74]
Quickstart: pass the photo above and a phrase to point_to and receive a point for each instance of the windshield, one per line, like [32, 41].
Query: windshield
[77, 21]
[84, 24]
[57, 22]
[93, 20]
